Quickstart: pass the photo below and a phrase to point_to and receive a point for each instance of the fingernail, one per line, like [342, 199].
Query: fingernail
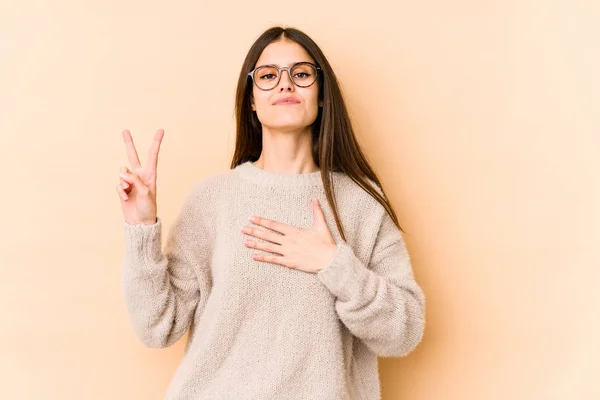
[252, 219]
[124, 184]
[123, 175]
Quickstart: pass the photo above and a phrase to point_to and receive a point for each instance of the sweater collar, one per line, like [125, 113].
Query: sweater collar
[252, 173]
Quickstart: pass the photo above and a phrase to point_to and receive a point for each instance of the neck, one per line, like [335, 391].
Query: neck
[287, 152]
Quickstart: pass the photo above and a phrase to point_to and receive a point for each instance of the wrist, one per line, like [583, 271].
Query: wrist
[329, 255]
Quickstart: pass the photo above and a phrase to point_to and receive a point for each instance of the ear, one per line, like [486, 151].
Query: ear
[252, 103]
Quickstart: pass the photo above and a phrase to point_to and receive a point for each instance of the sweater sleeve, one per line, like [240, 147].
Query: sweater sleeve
[380, 302]
[162, 289]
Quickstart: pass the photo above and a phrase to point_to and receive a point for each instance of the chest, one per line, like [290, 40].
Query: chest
[238, 275]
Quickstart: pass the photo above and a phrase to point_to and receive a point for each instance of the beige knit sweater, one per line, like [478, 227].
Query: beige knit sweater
[262, 331]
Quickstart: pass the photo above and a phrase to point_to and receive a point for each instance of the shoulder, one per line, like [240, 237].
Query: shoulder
[351, 193]
[211, 185]
[360, 212]
[206, 193]
[203, 198]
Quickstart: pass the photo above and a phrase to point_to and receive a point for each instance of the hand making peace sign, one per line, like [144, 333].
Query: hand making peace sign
[137, 186]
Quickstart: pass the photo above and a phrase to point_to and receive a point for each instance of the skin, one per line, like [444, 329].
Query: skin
[287, 137]
[137, 184]
[286, 144]
[308, 250]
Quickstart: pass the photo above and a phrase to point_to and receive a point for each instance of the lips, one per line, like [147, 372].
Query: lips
[286, 100]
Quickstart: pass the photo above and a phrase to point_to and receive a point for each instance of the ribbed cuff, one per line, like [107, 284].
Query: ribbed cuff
[143, 243]
[345, 275]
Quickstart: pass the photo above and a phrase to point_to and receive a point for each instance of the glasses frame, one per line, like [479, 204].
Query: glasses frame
[279, 73]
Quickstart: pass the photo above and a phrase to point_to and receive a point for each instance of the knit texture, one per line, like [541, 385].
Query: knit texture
[262, 331]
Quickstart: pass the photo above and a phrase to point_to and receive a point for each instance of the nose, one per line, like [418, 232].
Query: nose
[285, 81]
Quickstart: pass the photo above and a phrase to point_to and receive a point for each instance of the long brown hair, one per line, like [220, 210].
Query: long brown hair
[334, 145]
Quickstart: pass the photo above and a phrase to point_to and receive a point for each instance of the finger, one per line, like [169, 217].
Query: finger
[132, 155]
[270, 247]
[122, 193]
[123, 183]
[135, 181]
[273, 225]
[262, 234]
[271, 259]
[154, 149]
[319, 221]
[126, 186]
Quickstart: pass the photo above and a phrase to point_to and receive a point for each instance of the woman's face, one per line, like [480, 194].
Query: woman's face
[302, 109]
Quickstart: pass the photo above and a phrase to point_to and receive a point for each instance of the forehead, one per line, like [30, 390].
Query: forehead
[283, 53]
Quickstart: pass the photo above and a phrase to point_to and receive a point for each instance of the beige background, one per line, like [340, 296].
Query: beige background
[482, 118]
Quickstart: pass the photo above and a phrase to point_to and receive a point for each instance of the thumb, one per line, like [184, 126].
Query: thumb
[135, 181]
[319, 222]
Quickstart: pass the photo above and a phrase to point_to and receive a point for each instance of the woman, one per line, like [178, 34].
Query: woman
[279, 306]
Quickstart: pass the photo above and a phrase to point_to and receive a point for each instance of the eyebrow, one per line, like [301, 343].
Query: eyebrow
[289, 65]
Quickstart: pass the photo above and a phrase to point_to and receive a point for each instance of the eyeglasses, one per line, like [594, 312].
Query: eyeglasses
[302, 74]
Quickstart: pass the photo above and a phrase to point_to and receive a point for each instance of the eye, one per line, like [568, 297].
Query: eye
[267, 76]
[266, 73]
[302, 75]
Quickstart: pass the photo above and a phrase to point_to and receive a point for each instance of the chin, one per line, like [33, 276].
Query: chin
[285, 124]
[287, 128]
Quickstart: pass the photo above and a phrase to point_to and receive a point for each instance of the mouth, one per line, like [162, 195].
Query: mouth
[286, 102]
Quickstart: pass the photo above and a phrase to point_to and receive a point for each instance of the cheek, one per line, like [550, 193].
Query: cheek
[263, 109]
[313, 95]
[260, 99]
[312, 102]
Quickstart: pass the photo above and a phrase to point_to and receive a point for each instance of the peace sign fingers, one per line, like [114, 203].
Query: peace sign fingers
[154, 149]
[137, 186]
[132, 155]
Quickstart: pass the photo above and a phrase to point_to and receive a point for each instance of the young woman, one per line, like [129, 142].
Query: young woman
[278, 304]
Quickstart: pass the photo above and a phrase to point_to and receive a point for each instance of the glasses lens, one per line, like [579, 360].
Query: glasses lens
[266, 77]
[303, 74]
